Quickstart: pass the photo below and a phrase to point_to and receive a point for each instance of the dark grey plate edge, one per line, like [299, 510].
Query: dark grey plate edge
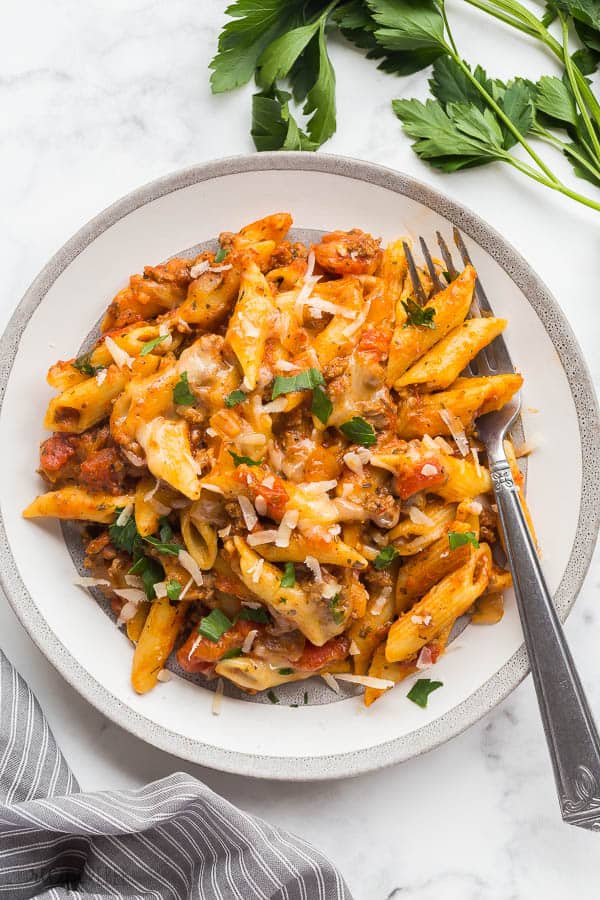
[514, 670]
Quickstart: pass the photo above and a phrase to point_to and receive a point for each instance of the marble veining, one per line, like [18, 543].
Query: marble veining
[100, 97]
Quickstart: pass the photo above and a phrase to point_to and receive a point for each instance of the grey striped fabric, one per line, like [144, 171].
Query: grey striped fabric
[170, 840]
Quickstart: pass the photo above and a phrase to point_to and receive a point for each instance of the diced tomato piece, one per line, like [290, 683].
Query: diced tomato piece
[194, 657]
[375, 342]
[423, 474]
[275, 496]
[314, 658]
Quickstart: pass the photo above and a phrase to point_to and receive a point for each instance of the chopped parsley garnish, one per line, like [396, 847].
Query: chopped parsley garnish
[359, 432]
[460, 538]
[321, 406]
[214, 625]
[447, 276]
[163, 546]
[234, 398]
[286, 671]
[254, 615]
[337, 614]
[233, 653]
[182, 395]
[244, 460]
[385, 557]
[221, 254]
[165, 531]
[304, 381]
[125, 537]
[150, 345]
[150, 571]
[289, 576]
[174, 588]
[421, 316]
[273, 698]
[83, 365]
[421, 689]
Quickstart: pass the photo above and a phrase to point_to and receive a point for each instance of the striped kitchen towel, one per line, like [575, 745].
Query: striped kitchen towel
[170, 840]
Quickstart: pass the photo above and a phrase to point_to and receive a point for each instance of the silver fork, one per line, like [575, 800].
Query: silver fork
[571, 734]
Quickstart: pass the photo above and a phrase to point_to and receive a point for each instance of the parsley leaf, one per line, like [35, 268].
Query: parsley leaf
[163, 546]
[233, 653]
[273, 126]
[234, 398]
[174, 588]
[304, 381]
[286, 671]
[288, 579]
[221, 254]
[125, 537]
[421, 689]
[182, 396]
[321, 406]
[408, 24]
[553, 97]
[244, 460]
[418, 315]
[337, 614]
[460, 538]
[150, 345]
[259, 615]
[83, 365]
[214, 625]
[359, 432]
[385, 557]
[150, 571]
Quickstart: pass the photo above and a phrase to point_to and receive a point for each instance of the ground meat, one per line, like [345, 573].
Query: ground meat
[286, 252]
[103, 471]
[55, 455]
[488, 524]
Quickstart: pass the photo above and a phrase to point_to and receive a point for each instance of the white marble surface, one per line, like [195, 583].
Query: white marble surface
[99, 97]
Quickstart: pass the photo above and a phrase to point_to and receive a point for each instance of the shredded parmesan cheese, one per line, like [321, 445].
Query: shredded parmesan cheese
[120, 356]
[269, 481]
[312, 563]
[417, 516]
[199, 268]
[248, 512]
[164, 675]
[282, 365]
[317, 487]
[354, 649]
[380, 684]
[101, 377]
[257, 570]
[428, 470]
[424, 659]
[260, 505]
[131, 595]
[286, 526]
[125, 515]
[330, 681]
[249, 640]
[186, 589]
[160, 589]
[276, 406]
[331, 589]
[190, 565]
[218, 698]
[194, 646]
[134, 581]
[262, 537]
[85, 581]
[457, 431]
[212, 487]
[127, 613]
[224, 532]
[475, 455]
[224, 268]
[148, 496]
[133, 459]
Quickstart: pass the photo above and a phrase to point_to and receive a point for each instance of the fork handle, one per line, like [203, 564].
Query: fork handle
[570, 730]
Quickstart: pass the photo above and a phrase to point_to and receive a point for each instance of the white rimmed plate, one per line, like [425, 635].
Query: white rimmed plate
[165, 218]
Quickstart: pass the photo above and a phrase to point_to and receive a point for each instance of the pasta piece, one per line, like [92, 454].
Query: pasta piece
[333, 552]
[519, 481]
[410, 342]
[340, 336]
[369, 631]
[146, 516]
[249, 324]
[465, 480]
[440, 606]
[411, 537]
[210, 299]
[394, 269]
[200, 540]
[169, 455]
[77, 503]
[155, 643]
[442, 365]
[467, 399]
[63, 375]
[398, 671]
[86, 403]
[135, 626]
[311, 613]
[254, 675]
[271, 228]
[421, 572]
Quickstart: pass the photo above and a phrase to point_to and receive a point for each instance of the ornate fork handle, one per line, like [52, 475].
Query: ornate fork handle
[570, 730]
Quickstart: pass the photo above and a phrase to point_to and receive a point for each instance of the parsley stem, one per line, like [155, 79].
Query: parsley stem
[447, 24]
[569, 68]
[502, 116]
[555, 185]
[567, 149]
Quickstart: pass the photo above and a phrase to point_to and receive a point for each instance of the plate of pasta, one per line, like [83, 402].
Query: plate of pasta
[248, 515]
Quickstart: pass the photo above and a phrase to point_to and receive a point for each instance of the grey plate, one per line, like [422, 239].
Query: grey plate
[515, 669]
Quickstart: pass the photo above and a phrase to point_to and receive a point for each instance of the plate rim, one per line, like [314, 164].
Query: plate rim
[514, 670]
